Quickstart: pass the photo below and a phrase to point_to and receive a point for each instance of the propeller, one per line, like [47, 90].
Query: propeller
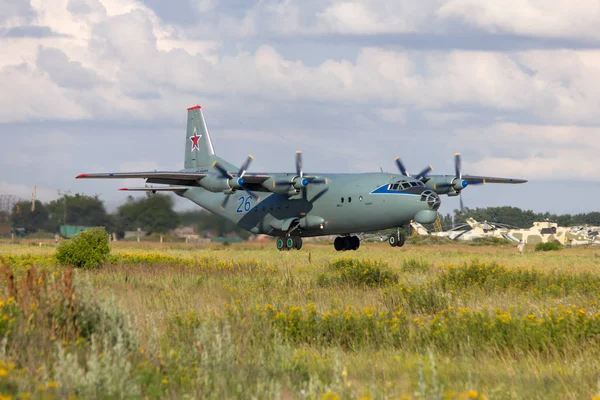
[300, 181]
[421, 175]
[239, 181]
[458, 175]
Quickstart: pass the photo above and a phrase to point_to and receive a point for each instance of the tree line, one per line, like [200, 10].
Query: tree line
[154, 213]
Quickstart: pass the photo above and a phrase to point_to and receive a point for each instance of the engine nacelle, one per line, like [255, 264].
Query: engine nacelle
[459, 184]
[449, 185]
[300, 183]
[215, 183]
[271, 186]
[311, 222]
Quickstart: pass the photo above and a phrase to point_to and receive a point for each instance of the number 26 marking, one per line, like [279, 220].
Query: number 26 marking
[244, 205]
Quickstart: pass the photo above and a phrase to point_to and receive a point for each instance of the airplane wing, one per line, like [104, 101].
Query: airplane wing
[491, 179]
[255, 178]
[181, 180]
[164, 177]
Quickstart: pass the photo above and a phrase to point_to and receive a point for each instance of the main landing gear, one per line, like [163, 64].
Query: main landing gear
[396, 240]
[343, 243]
[289, 243]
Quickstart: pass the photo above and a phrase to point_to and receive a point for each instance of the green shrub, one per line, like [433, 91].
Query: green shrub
[87, 249]
[415, 265]
[38, 310]
[494, 277]
[363, 272]
[550, 246]
[415, 299]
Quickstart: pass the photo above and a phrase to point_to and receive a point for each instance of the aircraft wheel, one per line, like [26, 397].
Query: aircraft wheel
[290, 243]
[347, 240]
[355, 242]
[401, 240]
[393, 240]
[280, 244]
[338, 243]
[298, 244]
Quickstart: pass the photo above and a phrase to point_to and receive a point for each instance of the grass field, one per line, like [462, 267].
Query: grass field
[247, 321]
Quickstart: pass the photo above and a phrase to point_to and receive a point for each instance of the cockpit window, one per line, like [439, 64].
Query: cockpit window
[403, 185]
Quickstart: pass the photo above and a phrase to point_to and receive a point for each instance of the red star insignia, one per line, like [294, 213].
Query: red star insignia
[195, 140]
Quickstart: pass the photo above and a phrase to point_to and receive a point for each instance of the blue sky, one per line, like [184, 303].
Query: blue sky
[101, 85]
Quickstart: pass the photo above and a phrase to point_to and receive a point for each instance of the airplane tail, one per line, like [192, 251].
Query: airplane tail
[199, 151]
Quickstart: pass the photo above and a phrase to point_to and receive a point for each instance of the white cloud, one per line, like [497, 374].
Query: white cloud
[440, 118]
[142, 63]
[533, 151]
[120, 63]
[377, 16]
[556, 18]
[27, 94]
[15, 13]
[392, 114]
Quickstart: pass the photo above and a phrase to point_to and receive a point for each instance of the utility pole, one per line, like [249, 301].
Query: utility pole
[33, 198]
[65, 193]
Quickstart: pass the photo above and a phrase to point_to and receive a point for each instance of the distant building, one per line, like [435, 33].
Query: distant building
[259, 238]
[134, 234]
[184, 231]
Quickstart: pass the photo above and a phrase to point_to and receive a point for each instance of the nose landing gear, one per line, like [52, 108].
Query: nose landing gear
[343, 243]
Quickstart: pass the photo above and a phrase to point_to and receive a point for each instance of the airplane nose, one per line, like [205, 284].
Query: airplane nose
[432, 199]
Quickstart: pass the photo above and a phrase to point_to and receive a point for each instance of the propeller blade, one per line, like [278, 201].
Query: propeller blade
[401, 167]
[457, 166]
[318, 181]
[245, 166]
[299, 163]
[462, 206]
[251, 193]
[424, 173]
[222, 170]
[225, 201]
[318, 195]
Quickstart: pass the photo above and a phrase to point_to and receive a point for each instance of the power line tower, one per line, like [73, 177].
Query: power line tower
[437, 225]
[33, 196]
[64, 194]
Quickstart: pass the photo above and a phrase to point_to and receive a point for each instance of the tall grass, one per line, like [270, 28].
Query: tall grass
[493, 277]
[244, 322]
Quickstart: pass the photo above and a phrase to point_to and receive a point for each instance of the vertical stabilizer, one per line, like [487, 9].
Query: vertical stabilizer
[199, 151]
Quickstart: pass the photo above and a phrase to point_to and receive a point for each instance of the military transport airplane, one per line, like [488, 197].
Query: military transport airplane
[296, 205]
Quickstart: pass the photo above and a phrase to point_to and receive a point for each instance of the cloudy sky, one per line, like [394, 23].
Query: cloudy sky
[103, 85]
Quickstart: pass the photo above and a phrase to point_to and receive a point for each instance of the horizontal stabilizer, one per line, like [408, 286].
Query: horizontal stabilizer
[157, 189]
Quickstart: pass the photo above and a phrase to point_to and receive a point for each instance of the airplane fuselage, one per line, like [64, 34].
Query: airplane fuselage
[349, 203]
[295, 205]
